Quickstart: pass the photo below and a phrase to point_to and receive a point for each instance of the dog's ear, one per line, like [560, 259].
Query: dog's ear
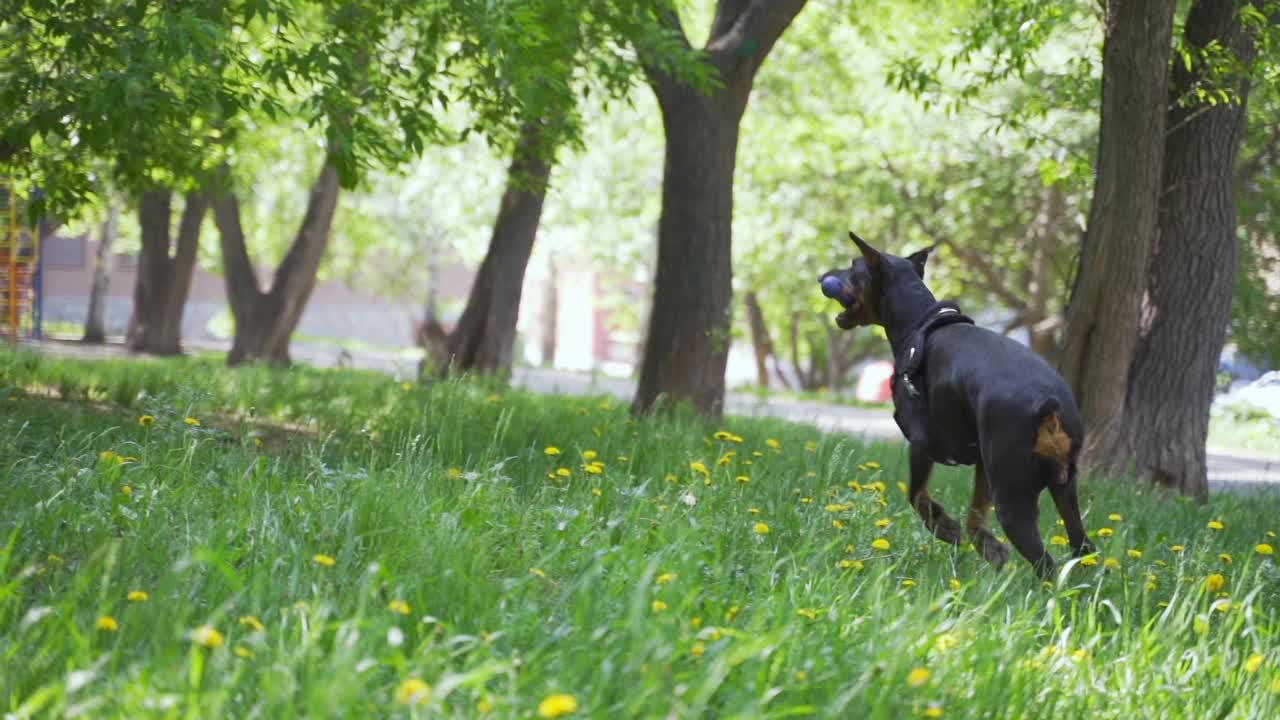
[919, 258]
[870, 254]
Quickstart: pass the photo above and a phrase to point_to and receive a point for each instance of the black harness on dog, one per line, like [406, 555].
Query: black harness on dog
[911, 407]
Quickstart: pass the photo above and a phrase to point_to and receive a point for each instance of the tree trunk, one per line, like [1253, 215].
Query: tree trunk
[484, 338]
[687, 343]
[160, 293]
[1102, 318]
[1192, 273]
[761, 343]
[95, 322]
[265, 320]
[551, 311]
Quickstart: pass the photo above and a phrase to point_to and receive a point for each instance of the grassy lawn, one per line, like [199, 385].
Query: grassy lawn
[183, 540]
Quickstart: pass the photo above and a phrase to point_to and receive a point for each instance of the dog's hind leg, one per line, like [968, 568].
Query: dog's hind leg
[1067, 500]
[975, 522]
[935, 517]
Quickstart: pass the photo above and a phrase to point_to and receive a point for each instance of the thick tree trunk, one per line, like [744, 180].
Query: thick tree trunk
[95, 322]
[484, 338]
[265, 320]
[1102, 319]
[687, 343]
[761, 343]
[1192, 273]
[160, 294]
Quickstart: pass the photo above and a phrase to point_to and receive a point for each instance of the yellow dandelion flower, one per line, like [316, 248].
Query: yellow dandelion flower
[698, 650]
[322, 559]
[743, 479]
[1135, 554]
[250, 622]
[1225, 558]
[665, 578]
[1264, 549]
[954, 584]
[242, 652]
[107, 456]
[106, 623]
[848, 564]
[731, 613]
[597, 492]
[854, 486]
[1089, 560]
[554, 706]
[564, 472]
[807, 613]
[1271, 534]
[873, 465]
[453, 473]
[760, 528]
[657, 606]
[593, 468]
[126, 490]
[699, 467]
[838, 524]
[1177, 549]
[1200, 624]
[1254, 663]
[722, 435]
[138, 596]
[1058, 540]
[849, 548]
[908, 583]
[773, 444]
[208, 637]
[880, 544]
[590, 455]
[918, 677]
[538, 572]
[810, 446]
[806, 501]
[1111, 563]
[1106, 532]
[484, 706]
[191, 421]
[933, 711]
[1216, 525]
[413, 692]
[551, 450]
[883, 522]
[753, 511]
[1214, 582]
[399, 606]
[406, 386]
[1115, 517]
[725, 459]
[947, 642]
[146, 421]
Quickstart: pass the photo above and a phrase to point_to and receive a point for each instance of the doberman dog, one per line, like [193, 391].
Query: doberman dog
[966, 395]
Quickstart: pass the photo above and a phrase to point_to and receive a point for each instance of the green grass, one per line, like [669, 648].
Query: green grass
[642, 591]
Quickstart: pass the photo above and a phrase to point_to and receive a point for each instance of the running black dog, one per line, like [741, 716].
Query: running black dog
[966, 395]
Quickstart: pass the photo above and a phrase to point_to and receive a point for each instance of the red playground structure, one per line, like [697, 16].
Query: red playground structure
[19, 268]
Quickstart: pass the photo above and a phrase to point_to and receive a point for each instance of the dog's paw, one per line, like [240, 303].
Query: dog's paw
[992, 550]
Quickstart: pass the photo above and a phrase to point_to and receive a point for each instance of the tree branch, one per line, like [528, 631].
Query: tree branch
[992, 282]
[740, 50]
[650, 57]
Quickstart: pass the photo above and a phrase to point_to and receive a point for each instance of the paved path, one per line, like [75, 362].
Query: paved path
[1228, 469]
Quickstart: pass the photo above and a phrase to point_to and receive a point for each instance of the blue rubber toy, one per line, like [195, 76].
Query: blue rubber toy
[834, 289]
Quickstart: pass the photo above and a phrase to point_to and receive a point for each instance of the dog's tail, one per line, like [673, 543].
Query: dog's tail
[1052, 441]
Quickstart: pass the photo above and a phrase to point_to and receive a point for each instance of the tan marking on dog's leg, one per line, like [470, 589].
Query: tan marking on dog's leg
[975, 522]
[936, 519]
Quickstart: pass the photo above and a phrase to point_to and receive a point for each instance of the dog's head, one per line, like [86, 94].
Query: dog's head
[860, 287]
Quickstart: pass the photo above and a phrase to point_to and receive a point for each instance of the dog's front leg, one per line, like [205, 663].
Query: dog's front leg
[935, 517]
